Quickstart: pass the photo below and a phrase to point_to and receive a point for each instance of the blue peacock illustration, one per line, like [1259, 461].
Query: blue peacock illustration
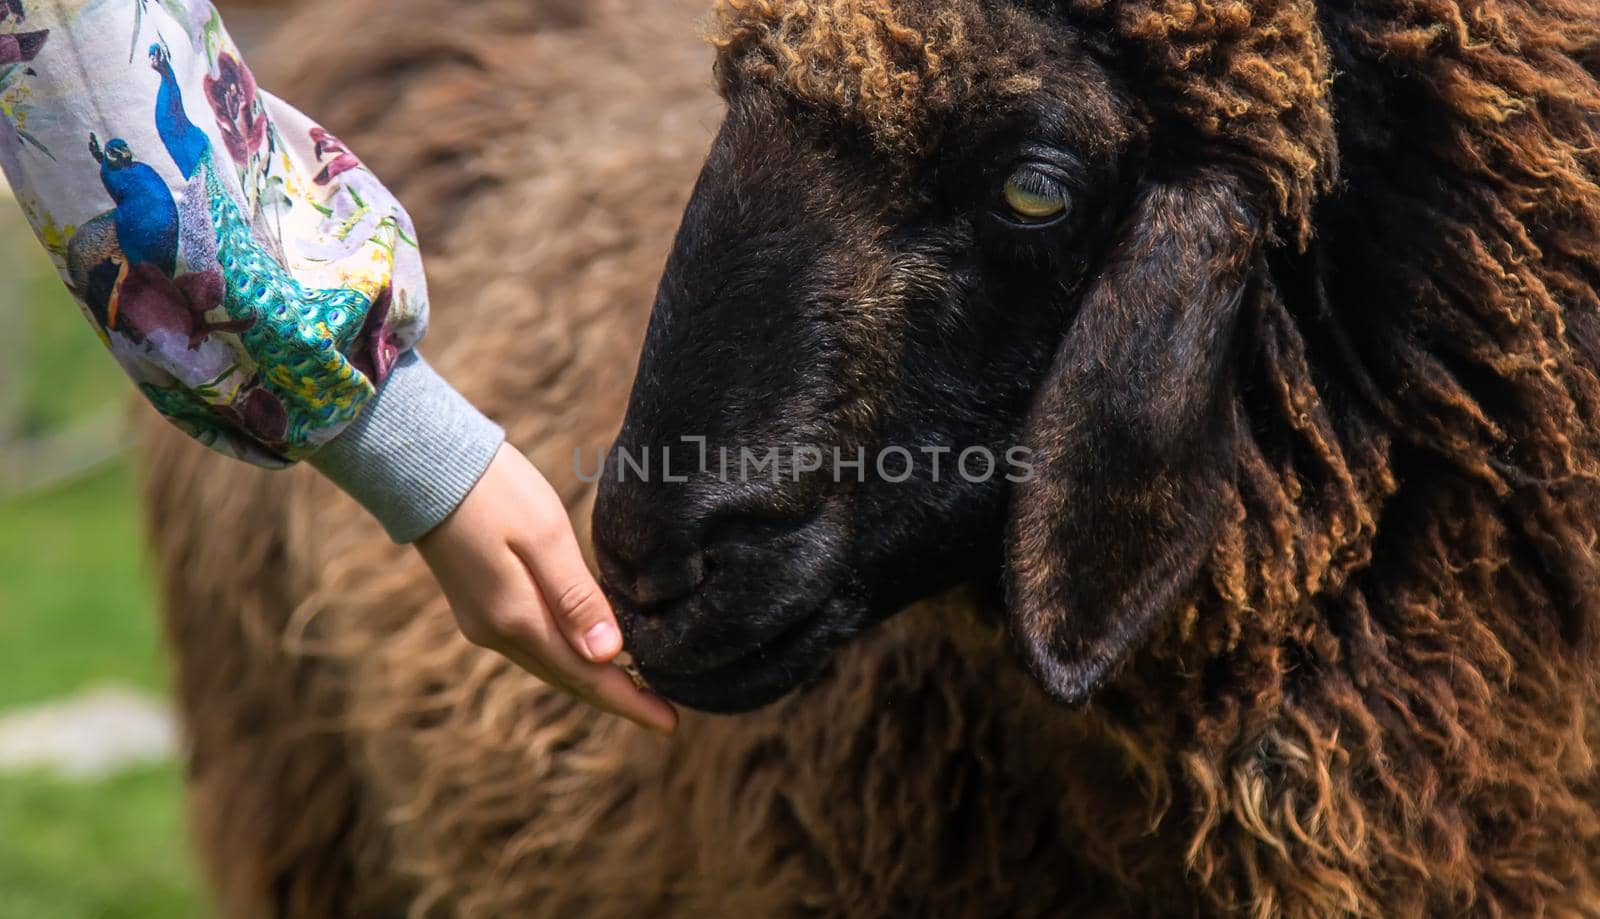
[297, 336]
[185, 142]
[145, 215]
[140, 293]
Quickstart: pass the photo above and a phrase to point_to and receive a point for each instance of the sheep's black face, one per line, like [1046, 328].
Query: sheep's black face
[944, 309]
[828, 303]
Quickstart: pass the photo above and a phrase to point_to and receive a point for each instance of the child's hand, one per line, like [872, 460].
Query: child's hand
[510, 566]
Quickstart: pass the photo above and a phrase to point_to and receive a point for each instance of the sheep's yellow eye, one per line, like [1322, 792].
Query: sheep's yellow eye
[1035, 197]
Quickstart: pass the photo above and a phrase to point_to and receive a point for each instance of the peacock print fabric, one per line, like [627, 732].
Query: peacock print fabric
[240, 263]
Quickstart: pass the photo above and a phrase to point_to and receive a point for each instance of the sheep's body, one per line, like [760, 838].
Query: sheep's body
[352, 755]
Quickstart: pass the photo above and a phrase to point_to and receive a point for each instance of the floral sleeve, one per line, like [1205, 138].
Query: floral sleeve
[250, 275]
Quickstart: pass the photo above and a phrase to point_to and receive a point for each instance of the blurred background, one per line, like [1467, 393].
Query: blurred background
[91, 810]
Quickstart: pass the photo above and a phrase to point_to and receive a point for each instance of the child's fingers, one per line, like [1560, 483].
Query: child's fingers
[604, 686]
[563, 578]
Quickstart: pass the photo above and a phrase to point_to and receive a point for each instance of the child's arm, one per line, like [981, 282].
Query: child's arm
[260, 286]
[265, 292]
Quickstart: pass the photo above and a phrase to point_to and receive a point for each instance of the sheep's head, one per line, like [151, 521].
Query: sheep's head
[948, 239]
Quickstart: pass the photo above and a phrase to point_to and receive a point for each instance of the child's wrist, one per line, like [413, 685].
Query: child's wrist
[414, 453]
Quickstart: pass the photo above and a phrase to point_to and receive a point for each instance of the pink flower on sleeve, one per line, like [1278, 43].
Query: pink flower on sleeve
[232, 94]
[328, 145]
[21, 47]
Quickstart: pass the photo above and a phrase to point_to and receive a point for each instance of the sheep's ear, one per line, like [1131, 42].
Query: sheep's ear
[1132, 437]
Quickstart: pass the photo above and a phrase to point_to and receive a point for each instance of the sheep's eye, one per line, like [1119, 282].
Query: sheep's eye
[1034, 196]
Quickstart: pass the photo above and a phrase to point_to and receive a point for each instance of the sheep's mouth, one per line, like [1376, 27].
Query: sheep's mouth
[764, 673]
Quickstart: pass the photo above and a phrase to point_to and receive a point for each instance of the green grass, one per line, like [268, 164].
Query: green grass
[111, 849]
[76, 605]
[70, 375]
[76, 610]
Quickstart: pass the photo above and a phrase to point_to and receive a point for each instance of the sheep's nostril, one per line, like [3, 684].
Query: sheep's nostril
[651, 583]
[616, 571]
[652, 558]
[669, 579]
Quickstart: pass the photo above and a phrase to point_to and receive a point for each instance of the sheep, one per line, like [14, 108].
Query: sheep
[1324, 620]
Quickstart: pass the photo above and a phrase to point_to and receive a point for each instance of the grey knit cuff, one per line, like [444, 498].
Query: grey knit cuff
[413, 453]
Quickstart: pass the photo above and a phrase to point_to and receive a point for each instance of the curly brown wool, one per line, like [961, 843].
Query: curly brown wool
[896, 69]
[1250, 77]
[1381, 702]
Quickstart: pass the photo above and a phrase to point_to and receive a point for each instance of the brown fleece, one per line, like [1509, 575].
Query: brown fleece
[1380, 701]
[896, 69]
[1249, 79]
